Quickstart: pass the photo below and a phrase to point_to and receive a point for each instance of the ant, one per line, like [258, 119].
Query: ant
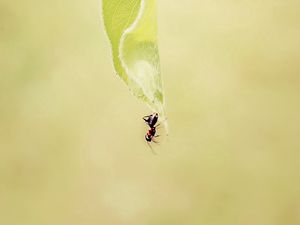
[151, 120]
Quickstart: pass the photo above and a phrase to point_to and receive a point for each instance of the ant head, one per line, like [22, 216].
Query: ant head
[148, 138]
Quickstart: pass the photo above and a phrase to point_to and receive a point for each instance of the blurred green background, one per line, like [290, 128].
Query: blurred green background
[72, 147]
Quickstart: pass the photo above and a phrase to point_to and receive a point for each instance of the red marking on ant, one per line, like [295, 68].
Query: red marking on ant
[151, 134]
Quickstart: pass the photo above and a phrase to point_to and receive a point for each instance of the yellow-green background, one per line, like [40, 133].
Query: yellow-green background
[72, 150]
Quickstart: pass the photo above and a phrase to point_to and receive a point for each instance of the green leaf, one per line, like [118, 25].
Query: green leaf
[131, 26]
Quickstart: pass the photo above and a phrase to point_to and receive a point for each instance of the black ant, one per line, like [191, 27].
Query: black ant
[151, 120]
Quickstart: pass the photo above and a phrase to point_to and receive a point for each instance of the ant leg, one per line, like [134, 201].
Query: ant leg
[157, 126]
[155, 141]
[156, 135]
[151, 149]
[146, 118]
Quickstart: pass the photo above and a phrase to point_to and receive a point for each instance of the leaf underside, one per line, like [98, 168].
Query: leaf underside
[131, 27]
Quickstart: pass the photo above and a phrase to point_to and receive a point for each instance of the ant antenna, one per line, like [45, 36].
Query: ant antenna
[154, 153]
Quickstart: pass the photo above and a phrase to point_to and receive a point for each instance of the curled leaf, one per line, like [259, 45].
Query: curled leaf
[131, 26]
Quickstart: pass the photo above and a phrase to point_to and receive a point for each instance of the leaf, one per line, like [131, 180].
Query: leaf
[131, 26]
